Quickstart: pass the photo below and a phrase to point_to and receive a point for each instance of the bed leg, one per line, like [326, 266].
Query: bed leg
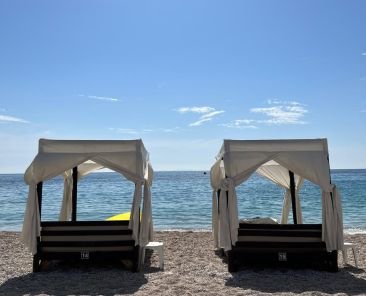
[135, 266]
[232, 266]
[333, 261]
[36, 263]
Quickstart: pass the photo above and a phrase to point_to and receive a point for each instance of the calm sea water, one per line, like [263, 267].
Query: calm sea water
[181, 200]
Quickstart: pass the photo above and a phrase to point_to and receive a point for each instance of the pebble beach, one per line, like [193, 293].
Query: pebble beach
[191, 268]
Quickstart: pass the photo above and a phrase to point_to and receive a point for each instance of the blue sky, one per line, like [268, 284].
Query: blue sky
[182, 76]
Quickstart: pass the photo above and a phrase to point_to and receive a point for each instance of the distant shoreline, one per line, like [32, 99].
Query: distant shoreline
[184, 171]
[204, 230]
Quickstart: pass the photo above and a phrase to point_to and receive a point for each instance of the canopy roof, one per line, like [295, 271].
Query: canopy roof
[128, 157]
[306, 157]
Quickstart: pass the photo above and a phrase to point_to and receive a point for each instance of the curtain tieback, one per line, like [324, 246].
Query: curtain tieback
[226, 184]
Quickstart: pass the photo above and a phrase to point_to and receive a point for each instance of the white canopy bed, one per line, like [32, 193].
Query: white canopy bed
[286, 163]
[74, 159]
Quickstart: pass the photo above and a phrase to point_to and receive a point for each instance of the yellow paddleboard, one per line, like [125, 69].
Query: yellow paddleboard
[122, 216]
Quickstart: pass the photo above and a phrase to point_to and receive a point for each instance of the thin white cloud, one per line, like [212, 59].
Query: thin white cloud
[278, 113]
[282, 114]
[104, 98]
[199, 122]
[364, 54]
[208, 113]
[279, 102]
[363, 78]
[195, 109]
[7, 118]
[363, 111]
[212, 114]
[241, 124]
[110, 99]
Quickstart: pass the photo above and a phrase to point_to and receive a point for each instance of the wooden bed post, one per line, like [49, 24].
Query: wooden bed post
[330, 178]
[36, 258]
[218, 200]
[74, 192]
[292, 190]
[39, 194]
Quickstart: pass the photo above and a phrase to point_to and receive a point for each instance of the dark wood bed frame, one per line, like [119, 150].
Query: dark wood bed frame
[83, 240]
[281, 245]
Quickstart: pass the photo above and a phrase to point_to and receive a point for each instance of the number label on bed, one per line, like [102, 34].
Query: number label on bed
[282, 256]
[84, 255]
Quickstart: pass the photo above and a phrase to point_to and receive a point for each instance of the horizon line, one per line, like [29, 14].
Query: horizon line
[177, 170]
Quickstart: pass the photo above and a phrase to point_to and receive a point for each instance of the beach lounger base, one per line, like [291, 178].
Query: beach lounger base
[86, 241]
[278, 245]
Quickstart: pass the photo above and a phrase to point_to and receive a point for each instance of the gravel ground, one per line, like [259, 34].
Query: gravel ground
[191, 268]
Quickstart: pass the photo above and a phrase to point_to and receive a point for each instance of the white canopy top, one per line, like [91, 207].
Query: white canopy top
[128, 157]
[306, 158]
[310, 157]
[58, 157]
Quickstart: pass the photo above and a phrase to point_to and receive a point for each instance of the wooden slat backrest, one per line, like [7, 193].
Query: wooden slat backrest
[86, 235]
[279, 235]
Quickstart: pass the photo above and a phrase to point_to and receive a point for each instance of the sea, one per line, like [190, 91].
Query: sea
[181, 200]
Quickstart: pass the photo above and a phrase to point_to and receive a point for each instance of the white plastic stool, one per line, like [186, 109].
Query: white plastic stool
[347, 246]
[155, 246]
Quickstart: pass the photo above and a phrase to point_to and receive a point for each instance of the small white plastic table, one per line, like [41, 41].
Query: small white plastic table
[157, 246]
[347, 246]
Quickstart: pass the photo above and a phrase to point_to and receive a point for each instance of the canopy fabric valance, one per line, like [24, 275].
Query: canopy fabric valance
[59, 157]
[128, 157]
[273, 159]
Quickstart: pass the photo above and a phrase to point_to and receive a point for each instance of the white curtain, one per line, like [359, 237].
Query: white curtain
[332, 226]
[280, 176]
[135, 212]
[83, 169]
[217, 175]
[227, 221]
[66, 206]
[223, 222]
[146, 229]
[31, 225]
[215, 218]
[287, 204]
[145, 235]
